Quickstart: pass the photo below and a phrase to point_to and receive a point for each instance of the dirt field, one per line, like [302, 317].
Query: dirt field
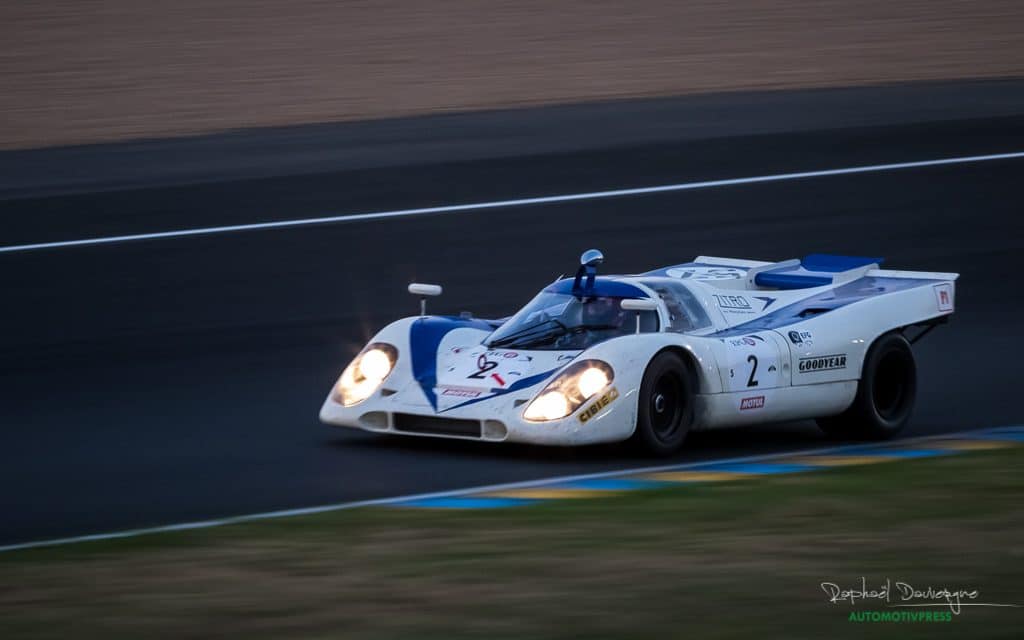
[87, 70]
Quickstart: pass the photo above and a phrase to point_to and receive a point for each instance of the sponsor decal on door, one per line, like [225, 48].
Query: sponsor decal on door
[753, 402]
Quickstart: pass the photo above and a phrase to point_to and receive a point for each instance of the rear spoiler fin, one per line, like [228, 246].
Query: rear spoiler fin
[816, 270]
[918, 275]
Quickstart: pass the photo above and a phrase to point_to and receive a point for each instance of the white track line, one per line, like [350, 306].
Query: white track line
[479, 206]
[304, 511]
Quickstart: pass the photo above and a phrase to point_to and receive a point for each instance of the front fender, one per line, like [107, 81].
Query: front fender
[630, 355]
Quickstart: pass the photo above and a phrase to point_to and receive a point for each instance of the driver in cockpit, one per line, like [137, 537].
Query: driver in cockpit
[600, 319]
[602, 314]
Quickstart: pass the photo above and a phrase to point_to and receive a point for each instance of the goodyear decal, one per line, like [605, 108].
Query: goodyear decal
[597, 405]
[822, 363]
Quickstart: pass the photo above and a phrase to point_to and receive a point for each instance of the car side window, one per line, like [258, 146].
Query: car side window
[685, 312]
[648, 322]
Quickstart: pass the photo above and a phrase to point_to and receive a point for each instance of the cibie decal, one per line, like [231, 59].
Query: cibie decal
[822, 363]
[801, 337]
[599, 404]
[944, 296]
[753, 402]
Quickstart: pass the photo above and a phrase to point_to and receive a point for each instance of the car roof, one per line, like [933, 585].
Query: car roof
[603, 286]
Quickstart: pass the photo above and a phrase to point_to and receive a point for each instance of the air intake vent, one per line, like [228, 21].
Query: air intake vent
[412, 423]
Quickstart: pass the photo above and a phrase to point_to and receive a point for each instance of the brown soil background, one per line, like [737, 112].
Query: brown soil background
[74, 71]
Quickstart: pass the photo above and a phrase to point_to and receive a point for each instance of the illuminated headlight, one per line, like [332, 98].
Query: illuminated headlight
[365, 374]
[569, 390]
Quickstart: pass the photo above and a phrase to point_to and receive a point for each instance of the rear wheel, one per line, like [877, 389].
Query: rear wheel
[885, 395]
[666, 400]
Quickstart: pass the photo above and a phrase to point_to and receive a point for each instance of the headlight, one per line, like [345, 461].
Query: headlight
[365, 374]
[569, 390]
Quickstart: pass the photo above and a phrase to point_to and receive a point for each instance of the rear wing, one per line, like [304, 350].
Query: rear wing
[917, 275]
[818, 284]
[817, 270]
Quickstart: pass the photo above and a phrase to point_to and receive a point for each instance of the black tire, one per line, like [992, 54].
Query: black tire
[666, 404]
[885, 394]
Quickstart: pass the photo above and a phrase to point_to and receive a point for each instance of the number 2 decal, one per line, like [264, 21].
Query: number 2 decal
[753, 370]
[483, 365]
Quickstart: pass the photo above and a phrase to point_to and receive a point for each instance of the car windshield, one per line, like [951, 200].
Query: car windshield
[558, 321]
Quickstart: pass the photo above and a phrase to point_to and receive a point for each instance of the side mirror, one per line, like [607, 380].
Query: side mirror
[423, 291]
[583, 284]
[638, 305]
[591, 258]
[418, 289]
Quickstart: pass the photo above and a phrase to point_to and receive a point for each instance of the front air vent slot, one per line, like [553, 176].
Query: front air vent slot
[411, 423]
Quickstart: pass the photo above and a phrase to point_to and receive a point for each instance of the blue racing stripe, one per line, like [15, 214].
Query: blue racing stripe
[828, 300]
[425, 335]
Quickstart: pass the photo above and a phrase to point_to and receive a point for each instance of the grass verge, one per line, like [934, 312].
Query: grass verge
[724, 560]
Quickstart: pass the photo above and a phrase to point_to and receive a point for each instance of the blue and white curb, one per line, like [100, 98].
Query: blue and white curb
[720, 471]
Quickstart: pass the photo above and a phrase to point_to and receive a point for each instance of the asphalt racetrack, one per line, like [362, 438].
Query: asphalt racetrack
[172, 380]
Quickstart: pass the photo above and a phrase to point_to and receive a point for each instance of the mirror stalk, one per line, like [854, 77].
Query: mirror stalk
[424, 291]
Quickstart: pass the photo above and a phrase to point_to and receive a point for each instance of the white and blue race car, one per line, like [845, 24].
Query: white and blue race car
[711, 343]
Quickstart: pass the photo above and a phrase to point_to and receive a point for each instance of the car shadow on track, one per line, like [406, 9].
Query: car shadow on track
[722, 443]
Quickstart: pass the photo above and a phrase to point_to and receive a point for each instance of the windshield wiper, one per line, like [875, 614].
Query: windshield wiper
[593, 327]
[538, 334]
[532, 333]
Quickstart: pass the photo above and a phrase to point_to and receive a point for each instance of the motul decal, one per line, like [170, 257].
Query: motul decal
[753, 402]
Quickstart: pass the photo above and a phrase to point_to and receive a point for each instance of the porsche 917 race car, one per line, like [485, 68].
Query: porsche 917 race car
[711, 343]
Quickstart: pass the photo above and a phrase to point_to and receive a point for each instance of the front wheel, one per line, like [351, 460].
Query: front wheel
[885, 394]
[666, 400]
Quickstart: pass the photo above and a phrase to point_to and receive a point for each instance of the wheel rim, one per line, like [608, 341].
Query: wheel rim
[890, 387]
[666, 406]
